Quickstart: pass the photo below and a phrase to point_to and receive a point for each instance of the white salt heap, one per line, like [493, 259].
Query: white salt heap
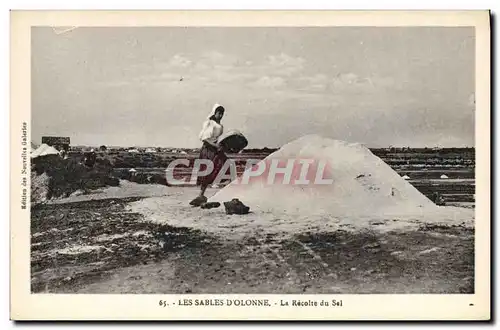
[366, 194]
[363, 185]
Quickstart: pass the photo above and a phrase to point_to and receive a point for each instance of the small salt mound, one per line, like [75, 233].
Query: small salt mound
[363, 184]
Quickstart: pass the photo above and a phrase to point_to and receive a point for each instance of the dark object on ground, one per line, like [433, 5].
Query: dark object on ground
[438, 199]
[210, 205]
[235, 206]
[232, 141]
[198, 201]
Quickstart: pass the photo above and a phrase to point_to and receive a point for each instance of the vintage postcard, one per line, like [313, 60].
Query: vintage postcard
[250, 165]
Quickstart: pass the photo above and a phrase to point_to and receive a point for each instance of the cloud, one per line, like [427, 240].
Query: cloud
[277, 73]
[213, 68]
[347, 78]
[351, 82]
[285, 60]
[269, 82]
[214, 58]
[318, 78]
[286, 64]
[344, 82]
[179, 61]
[316, 83]
[143, 79]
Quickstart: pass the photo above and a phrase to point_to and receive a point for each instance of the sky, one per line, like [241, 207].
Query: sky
[154, 86]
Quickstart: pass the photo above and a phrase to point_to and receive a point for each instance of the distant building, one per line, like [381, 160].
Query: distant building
[58, 142]
[150, 150]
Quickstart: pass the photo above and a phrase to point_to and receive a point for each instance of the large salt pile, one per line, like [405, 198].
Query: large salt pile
[363, 185]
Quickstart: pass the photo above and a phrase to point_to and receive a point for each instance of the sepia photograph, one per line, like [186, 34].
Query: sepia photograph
[219, 160]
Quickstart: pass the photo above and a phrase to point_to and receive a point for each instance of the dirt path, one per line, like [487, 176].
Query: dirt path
[325, 263]
[97, 246]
